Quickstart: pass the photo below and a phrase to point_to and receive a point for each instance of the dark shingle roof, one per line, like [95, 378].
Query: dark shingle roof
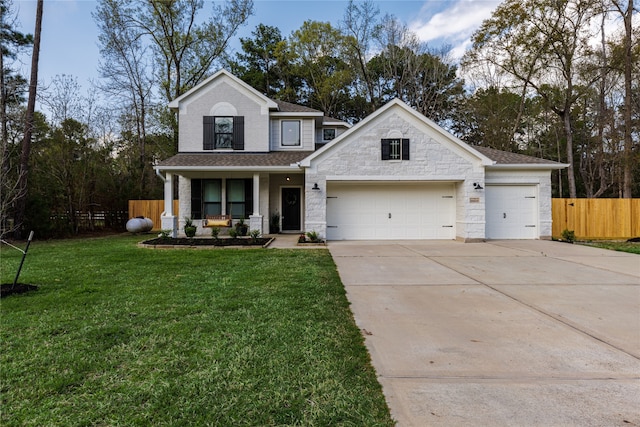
[287, 107]
[507, 158]
[271, 159]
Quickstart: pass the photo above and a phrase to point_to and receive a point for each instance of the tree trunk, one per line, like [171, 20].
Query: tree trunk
[628, 57]
[566, 119]
[3, 112]
[21, 202]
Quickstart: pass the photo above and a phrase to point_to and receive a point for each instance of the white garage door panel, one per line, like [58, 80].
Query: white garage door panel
[512, 212]
[390, 211]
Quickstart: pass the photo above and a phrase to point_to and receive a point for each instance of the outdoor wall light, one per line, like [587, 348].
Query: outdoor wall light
[288, 178]
[315, 186]
[477, 186]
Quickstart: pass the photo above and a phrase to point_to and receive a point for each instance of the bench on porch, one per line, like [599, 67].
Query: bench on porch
[217, 221]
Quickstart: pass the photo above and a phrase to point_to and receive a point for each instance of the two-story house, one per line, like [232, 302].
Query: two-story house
[395, 175]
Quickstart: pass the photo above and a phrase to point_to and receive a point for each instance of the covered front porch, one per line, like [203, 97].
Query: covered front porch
[266, 201]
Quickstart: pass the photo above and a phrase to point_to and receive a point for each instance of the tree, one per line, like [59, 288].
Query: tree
[541, 43]
[12, 87]
[260, 64]
[627, 16]
[21, 200]
[184, 48]
[361, 27]
[129, 80]
[407, 69]
[487, 117]
[318, 49]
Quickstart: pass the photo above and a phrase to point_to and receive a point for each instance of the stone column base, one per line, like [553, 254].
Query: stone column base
[255, 223]
[169, 223]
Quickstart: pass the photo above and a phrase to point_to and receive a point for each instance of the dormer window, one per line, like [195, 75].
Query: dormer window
[223, 133]
[290, 133]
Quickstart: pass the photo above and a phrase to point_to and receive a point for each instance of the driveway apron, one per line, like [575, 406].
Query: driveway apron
[504, 333]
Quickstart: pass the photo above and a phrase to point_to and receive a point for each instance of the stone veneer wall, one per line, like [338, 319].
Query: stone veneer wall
[431, 159]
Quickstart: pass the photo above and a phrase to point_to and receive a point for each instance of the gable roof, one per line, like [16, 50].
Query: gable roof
[398, 104]
[235, 80]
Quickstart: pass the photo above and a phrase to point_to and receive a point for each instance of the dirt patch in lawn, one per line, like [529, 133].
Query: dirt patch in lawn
[7, 289]
[170, 242]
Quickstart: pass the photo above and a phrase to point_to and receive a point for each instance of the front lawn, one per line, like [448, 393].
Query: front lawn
[631, 247]
[121, 335]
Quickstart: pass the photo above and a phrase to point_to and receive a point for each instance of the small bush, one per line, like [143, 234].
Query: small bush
[568, 235]
[215, 232]
[254, 235]
[313, 236]
[233, 233]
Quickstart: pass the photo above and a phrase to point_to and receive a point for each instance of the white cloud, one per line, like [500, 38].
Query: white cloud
[455, 24]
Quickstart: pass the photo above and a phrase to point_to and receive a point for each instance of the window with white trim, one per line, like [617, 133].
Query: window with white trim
[290, 133]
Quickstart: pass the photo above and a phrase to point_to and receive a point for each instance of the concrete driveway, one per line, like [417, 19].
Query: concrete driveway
[506, 333]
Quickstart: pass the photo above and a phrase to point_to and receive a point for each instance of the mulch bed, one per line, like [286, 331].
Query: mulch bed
[7, 289]
[198, 242]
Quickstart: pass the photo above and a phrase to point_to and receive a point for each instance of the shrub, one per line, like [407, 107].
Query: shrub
[313, 236]
[254, 235]
[233, 233]
[568, 235]
[215, 232]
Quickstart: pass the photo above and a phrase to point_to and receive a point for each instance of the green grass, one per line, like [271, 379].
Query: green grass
[630, 247]
[121, 335]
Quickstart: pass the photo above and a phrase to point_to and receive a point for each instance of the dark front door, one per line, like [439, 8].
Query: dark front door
[291, 209]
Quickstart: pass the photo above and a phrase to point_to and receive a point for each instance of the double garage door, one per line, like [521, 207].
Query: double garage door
[385, 211]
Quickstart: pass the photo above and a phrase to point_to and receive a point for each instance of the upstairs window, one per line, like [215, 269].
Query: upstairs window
[328, 134]
[223, 133]
[290, 133]
[395, 149]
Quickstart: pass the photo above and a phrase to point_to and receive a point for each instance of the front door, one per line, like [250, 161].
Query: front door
[291, 209]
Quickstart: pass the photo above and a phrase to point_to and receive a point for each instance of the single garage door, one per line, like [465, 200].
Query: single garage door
[385, 211]
[511, 212]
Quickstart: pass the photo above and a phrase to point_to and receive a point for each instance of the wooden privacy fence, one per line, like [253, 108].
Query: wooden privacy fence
[597, 218]
[151, 209]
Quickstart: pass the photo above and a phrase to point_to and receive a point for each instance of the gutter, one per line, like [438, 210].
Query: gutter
[527, 166]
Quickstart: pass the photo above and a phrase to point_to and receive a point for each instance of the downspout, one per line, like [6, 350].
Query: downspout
[164, 181]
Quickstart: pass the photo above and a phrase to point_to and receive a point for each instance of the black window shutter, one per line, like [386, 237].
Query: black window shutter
[405, 149]
[196, 198]
[385, 149]
[208, 133]
[238, 133]
[248, 197]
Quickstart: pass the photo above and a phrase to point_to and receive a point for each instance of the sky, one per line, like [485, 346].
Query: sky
[69, 43]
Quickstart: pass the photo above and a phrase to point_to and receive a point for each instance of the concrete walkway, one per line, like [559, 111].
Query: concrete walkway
[506, 333]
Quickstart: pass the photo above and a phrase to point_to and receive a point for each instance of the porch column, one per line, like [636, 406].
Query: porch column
[168, 195]
[256, 194]
[168, 221]
[255, 220]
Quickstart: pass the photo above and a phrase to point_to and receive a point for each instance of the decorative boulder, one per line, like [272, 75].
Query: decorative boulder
[139, 225]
